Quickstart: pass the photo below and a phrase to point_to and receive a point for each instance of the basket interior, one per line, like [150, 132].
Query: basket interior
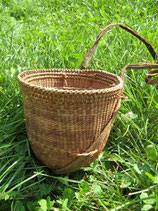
[71, 79]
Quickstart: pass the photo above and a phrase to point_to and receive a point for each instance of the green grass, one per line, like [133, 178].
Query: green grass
[57, 34]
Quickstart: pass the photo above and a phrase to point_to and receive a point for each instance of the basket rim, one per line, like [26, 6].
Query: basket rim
[21, 80]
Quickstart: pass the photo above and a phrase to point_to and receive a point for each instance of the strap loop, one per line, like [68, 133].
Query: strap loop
[107, 28]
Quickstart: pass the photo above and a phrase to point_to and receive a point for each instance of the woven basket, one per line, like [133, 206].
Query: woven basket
[69, 113]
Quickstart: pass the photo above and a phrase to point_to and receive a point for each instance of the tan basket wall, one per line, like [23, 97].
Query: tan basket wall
[60, 124]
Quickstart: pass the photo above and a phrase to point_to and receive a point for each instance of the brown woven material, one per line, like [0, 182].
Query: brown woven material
[69, 113]
[62, 122]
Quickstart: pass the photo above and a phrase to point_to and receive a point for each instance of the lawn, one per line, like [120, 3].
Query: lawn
[57, 34]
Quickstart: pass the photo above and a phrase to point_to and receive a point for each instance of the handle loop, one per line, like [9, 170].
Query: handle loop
[151, 50]
[107, 28]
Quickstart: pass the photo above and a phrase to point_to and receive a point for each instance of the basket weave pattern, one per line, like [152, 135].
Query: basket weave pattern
[63, 121]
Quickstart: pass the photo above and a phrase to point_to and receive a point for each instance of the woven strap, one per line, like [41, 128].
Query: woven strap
[151, 74]
[92, 150]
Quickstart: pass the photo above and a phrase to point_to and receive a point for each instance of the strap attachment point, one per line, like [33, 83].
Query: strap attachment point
[122, 96]
[91, 153]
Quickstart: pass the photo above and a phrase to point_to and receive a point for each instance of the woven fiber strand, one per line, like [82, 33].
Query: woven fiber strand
[69, 113]
[63, 121]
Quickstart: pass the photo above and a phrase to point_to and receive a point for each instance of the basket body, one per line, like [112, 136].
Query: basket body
[66, 111]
